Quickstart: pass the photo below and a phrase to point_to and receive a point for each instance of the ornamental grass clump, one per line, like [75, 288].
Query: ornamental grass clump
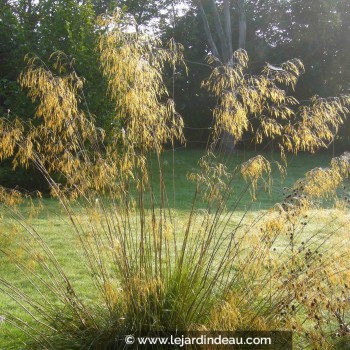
[147, 268]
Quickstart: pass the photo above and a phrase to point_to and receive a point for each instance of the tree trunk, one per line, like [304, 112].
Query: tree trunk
[242, 25]
[210, 39]
[227, 143]
[220, 31]
[228, 29]
[223, 31]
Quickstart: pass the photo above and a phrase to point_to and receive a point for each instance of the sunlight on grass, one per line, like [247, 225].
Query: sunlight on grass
[57, 231]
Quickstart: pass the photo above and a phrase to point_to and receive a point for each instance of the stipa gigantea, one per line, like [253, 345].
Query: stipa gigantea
[146, 270]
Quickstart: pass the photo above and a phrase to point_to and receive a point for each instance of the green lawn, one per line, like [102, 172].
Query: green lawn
[185, 161]
[54, 228]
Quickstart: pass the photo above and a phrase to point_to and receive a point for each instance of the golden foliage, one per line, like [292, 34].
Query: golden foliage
[133, 64]
[267, 273]
[257, 168]
[10, 197]
[213, 179]
[66, 140]
[323, 183]
[260, 104]
[254, 169]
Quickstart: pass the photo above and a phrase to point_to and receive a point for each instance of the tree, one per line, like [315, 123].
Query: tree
[220, 38]
[315, 31]
[14, 45]
[40, 29]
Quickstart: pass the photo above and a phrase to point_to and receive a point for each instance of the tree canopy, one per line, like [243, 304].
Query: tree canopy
[316, 32]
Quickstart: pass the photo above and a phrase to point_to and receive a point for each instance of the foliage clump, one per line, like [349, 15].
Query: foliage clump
[261, 105]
